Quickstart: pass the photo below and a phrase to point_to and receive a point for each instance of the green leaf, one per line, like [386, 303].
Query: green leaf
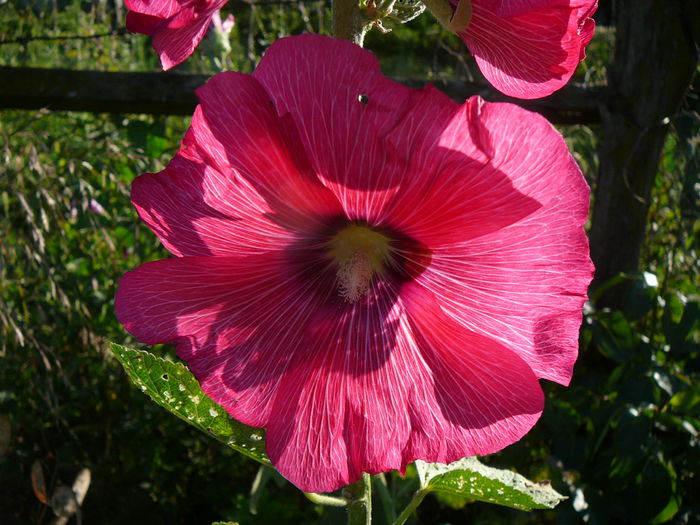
[614, 336]
[156, 145]
[173, 387]
[687, 401]
[641, 295]
[470, 478]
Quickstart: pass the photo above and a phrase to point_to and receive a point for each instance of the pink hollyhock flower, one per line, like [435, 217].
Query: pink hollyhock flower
[376, 274]
[177, 26]
[527, 48]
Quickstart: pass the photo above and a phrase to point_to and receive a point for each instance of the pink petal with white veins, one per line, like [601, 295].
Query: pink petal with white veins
[238, 321]
[342, 106]
[426, 389]
[248, 196]
[529, 49]
[197, 210]
[457, 193]
[240, 130]
[177, 26]
[156, 8]
[524, 284]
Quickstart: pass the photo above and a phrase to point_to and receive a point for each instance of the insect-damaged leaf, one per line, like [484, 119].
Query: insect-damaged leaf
[173, 387]
[472, 479]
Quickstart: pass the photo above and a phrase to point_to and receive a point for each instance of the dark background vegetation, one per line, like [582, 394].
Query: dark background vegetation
[622, 441]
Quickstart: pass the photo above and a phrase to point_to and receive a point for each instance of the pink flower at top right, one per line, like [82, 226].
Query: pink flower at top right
[528, 48]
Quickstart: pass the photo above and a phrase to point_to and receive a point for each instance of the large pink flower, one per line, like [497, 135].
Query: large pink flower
[529, 48]
[177, 26]
[376, 274]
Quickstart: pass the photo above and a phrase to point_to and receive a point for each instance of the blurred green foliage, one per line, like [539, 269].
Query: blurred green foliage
[622, 441]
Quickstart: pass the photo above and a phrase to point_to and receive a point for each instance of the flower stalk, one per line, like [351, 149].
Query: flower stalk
[348, 21]
[385, 497]
[360, 508]
[453, 19]
[417, 499]
[323, 499]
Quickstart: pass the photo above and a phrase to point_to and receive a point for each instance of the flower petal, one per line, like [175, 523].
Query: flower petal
[144, 24]
[249, 195]
[157, 8]
[238, 129]
[342, 106]
[511, 8]
[337, 413]
[529, 49]
[177, 26]
[197, 210]
[525, 284]
[425, 389]
[237, 321]
[457, 191]
[177, 40]
[488, 397]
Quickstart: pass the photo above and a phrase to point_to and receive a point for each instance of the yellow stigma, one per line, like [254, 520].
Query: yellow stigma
[359, 252]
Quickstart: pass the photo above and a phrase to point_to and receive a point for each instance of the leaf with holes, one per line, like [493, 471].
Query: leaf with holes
[173, 387]
[472, 479]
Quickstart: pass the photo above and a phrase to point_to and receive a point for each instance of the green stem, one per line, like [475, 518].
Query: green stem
[348, 21]
[453, 19]
[322, 499]
[258, 487]
[385, 497]
[412, 506]
[360, 508]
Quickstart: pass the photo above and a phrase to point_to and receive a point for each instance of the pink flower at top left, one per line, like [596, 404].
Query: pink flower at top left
[177, 26]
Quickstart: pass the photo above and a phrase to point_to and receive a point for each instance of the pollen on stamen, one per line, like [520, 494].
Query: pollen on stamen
[354, 276]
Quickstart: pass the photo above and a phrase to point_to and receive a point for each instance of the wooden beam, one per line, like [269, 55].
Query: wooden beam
[98, 91]
[173, 93]
[573, 104]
